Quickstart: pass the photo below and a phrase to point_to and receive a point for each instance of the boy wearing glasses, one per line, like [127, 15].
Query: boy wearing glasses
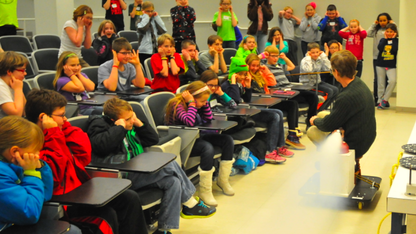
[167, 65]
[123, 70]
[12, 73]
[193, 66]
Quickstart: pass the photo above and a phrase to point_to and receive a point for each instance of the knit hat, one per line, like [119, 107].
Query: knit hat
[313, 5]
[237, 65]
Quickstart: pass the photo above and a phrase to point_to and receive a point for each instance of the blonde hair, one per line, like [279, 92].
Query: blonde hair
[257, 77]
[114, 107]
[102, 25]
[287, 8]
[60, 65]
[354, 20]
[81, 11]
[17, 131]
[147, 5]
[272, 49]
[173, 103]
[221, 1]
[161, 40]
[10, 60]
[244, 41]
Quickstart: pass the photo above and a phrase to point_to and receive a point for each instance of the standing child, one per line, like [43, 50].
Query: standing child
[123, 70]
[317, 61]
[376, 31]
[226, 20]
[135, 10]
[193, 66]
[12, 73]
[386, 64]
[149, 27]
[355, 42]
[331, 24]
[183, 18]
[26, 181]
[166, 65]
[213, 59]
[72, 84]
[288, 23]
[192, 109]
[309, 27]
[114, 12]
[259, 12]
[276, 39]
[103, 44]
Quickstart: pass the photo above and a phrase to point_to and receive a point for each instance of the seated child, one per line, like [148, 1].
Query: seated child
[330, 48]
[167, 65]
[26, 181]
[276, 39]
[67, 150]
[149, 27]
[309, 97]
[118, 130]
[317, 61]
[214, 58]
[274, 119]
[103, 43]
[72, 84]
[123, 70]
[193, 66]
[331, 24]
[248, 46]
[12, 73]
[190, 108]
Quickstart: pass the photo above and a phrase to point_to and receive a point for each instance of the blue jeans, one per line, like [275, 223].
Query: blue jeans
[261, 40]
[275, 131]
[177, 189]
[228, 44]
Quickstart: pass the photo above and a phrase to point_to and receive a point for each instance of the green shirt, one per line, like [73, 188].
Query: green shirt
[8, 15]
[226, 31]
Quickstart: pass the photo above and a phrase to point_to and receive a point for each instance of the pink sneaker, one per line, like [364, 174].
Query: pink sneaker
[273, 157]
[284, 152]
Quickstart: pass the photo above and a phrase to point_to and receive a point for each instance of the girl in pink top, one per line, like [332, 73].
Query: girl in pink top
[355, 35]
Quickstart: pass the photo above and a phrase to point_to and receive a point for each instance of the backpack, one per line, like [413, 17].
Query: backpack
[245, 160]
[92, 225]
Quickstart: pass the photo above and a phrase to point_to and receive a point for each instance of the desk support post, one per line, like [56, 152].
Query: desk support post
[397, 226]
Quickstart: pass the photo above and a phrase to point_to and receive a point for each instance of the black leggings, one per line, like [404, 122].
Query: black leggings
[204, 147]
[292, 109]
[311, 98]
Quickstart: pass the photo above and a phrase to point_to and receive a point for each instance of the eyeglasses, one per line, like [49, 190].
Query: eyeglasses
[212, 86]
[274, 56]
[226, 4]
[125, 53]
[62, 116]
[21, 70]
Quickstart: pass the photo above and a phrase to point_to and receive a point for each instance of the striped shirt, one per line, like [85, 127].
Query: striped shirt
[191, 117]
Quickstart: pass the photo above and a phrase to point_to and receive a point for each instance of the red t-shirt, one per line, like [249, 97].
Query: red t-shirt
[170, 83]
[355, 42]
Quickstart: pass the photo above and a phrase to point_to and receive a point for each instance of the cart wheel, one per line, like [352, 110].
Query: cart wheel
[360, 205]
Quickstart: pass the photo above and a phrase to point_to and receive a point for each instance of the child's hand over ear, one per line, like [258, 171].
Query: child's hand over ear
[234, 78]
[282, 55]
[134, 59]
[187, 96]
[245, 47]
[47, 122]
[247, 81]
[115, 59]
[186, 55]
[136, 121]
[326, 48]
[219, 91]
[121, 122]
[196, 57]
[16, 84]
[68, 71]
[27, 161]
[161, 52]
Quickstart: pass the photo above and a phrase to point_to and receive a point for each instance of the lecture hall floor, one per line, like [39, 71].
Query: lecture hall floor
[268, 199]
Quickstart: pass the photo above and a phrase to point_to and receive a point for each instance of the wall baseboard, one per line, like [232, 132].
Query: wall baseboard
[405, 109]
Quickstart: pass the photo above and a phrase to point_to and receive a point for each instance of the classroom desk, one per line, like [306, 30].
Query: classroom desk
[43, 226]
[274, 94]
[132, 91]
[147, 162]
[96, 192]
[264, 102]
[95, 99]
[221, 125]
[398, 202]
[236, 112]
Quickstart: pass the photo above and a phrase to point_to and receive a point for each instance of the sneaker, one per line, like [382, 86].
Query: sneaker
[299, 132]
[284, 152]
[200, 210]
[261, 162]
[387, 104]
[162, 232]
[273, 157]
[293, 141]
[382, 105]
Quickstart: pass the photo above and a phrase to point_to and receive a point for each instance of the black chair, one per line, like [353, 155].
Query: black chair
[135, 45]
[26, 87]
[45, 81]
[95, 35]
[16, 43]
[45, 60]
[90, 56]
[30, 70]
[92, 73]
[149, 70]
[129, 35]
[228, 54]
[46, 41]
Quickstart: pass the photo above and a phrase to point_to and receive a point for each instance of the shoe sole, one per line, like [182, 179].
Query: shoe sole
[274, 161]
[286, 156]
[184, 216]
[228, 194]
[295, 146]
